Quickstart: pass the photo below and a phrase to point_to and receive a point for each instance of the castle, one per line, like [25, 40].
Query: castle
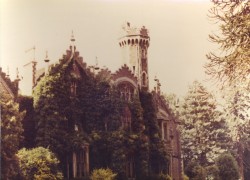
[131, 78]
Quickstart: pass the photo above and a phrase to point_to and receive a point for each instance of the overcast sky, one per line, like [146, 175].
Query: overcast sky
[178, 32]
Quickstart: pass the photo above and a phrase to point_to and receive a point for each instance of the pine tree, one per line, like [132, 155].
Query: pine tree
[237, 110]
[233, 18]
[204, 132]
[11, 136]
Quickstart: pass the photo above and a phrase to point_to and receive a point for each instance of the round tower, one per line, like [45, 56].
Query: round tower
[134, 45]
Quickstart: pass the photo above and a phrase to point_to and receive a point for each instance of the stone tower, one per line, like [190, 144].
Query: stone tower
[134, 45]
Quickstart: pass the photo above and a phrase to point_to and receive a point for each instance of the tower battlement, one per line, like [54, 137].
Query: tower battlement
[129, 30]
[134, 44]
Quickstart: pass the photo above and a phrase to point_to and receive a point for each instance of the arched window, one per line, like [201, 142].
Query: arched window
[126, 119]
[144, 54]
[126, 91]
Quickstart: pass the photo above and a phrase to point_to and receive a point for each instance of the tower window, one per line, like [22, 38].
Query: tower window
[144, 79]
[129, 42]
[143, 53]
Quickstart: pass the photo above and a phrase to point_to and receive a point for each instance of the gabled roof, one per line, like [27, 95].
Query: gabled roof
[124, 74]
[164, 111]
[70, 56]
[8, 86]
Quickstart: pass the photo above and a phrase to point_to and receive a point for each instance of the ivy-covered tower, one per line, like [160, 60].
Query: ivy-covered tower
[134, 45]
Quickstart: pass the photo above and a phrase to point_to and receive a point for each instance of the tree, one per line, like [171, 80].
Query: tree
[11, 135]
[195, 171]
[237, 110]
[228, 168]
[204, 131]
[232, 65]
[38, 163]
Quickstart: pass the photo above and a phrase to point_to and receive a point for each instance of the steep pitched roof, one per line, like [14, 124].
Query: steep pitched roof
[8, 86]
[125, 74]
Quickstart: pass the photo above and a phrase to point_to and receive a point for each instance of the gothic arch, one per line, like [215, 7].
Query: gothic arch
[144, 78]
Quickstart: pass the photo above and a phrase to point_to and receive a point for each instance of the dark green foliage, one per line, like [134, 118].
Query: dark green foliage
[11, 135]
[205, 133]
[95, 111]
[26, 104]
[38, 163]
[195, 171]
[228, 168]
[158, 153]
[213, 172]
[57, 115]
[246, 160]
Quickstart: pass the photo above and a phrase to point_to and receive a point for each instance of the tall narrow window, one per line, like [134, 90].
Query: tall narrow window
[144, 79]
[73, 87]
[165, 132]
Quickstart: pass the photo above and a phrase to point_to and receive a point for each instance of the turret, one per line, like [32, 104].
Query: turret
[134, 45]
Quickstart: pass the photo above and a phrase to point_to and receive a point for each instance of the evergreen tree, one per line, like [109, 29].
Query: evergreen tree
[204, 132]
[11, 136]
[237, 112]
[232, 65]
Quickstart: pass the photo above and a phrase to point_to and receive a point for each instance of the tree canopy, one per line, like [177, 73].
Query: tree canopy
[204, 131]
[38, 163]
[232, 63]
[11, 136]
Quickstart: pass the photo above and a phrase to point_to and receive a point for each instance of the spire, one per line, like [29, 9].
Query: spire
[8, 72]
[46, 60]
[17, 74]
[96, 63]
[72, 44]
[72, 37]
[158, 85]
[46, 57]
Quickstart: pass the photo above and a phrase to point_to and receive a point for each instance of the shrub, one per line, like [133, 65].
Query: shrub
[38, 163]
[103, 174]
[195, 171]
[228, 168]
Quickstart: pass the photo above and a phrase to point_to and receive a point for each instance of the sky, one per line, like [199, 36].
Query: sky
[178, 31]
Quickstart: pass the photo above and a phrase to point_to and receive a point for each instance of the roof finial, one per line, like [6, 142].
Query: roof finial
[46, 57]
[72, 37]
[8, 72]
[17, 74]
[96, 63]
